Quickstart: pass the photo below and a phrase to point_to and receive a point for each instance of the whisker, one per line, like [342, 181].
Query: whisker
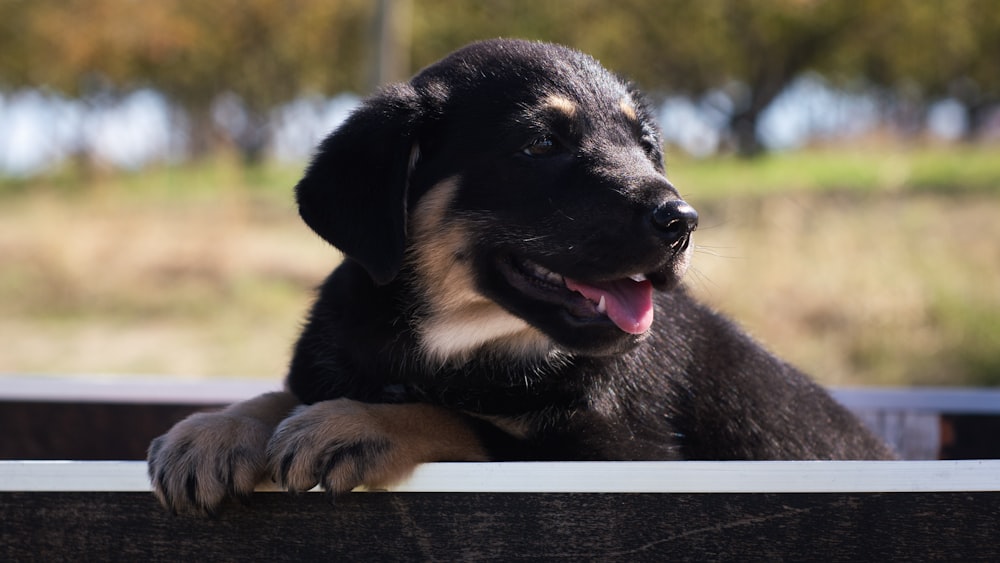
[703, 280]
[714, 251]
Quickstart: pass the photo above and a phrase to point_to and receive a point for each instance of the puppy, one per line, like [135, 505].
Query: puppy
[510, 291]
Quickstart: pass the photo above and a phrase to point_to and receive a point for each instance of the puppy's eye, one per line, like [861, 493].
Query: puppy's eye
[542, 146]
[651, 145]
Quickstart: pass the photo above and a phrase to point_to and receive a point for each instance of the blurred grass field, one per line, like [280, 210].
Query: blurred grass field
[864, 267]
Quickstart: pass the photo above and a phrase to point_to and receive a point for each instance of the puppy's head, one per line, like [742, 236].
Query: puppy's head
[519, 188]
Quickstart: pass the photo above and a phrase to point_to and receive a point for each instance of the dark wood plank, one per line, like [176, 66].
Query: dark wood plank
[970, 436]
[97, 419]
[121, 430]
[497, 526]
[86, 430]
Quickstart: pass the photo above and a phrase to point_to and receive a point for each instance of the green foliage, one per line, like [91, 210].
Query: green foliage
[266, 52]
[967, 169]
[973, 345]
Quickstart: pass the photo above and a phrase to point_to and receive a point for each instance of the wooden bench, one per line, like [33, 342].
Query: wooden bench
[655, 511]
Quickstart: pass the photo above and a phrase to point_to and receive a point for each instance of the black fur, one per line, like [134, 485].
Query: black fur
[579, 191]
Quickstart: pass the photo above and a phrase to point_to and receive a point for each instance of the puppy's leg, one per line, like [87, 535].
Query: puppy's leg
[341, 444]
[208, 457]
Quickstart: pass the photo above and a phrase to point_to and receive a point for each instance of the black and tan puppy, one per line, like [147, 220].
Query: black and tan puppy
[510, 292]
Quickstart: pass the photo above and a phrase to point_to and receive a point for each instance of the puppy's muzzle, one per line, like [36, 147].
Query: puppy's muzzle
[674, 221]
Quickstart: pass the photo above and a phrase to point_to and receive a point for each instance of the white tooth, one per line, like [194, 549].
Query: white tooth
[602, 307]
[638, 278]
[545, 274]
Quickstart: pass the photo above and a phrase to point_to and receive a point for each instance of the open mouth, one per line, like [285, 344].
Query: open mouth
[627, 302]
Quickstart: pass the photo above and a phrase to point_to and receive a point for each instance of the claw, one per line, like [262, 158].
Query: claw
[286, 466]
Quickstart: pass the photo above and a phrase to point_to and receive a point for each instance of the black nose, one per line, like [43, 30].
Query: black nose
[675, 221]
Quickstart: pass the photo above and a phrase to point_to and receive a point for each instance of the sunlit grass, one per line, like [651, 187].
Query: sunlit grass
[861, 289]
[861, 266]
[972, 168]
[199, 180]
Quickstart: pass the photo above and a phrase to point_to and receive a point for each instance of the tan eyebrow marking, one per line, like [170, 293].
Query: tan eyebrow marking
[561, 104]
[628, 109]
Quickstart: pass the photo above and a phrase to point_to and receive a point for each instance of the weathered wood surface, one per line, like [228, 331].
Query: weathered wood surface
[627, 511]
[505, 527]
[830, 511]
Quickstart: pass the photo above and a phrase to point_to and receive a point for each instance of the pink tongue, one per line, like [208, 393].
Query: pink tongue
[629, 303]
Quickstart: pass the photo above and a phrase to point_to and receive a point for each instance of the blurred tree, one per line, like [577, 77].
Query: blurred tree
[255, 55]
[15, 44]
[391, 42]
[977, 82]
[753, 49]
[918, 51]
[770, 43]
[226, 65]
[76, 48]
[441, 26]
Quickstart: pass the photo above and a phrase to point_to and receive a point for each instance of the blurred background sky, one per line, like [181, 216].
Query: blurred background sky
[843, 155]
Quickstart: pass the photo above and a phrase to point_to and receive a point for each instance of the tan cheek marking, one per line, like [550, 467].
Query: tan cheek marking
[438, 251]
[457, 318]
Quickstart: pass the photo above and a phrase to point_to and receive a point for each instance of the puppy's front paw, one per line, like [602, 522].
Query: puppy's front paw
[206, 458]
[337, 444]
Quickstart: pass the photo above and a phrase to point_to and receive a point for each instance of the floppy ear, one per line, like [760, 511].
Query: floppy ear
[354, 192]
